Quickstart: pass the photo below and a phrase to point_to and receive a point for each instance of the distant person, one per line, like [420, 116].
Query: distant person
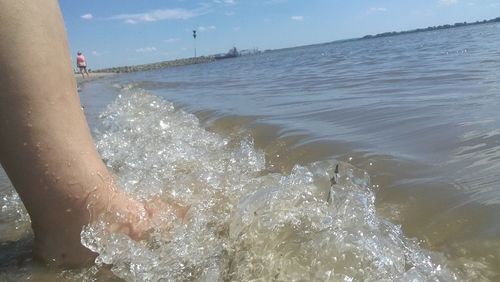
[46, 147]
[81, 63]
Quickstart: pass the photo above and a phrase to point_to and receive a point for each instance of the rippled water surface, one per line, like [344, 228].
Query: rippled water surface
[351, 161]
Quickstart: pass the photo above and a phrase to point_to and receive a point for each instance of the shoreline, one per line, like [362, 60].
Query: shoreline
[92, 76]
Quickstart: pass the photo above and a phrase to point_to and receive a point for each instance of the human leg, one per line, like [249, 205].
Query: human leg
[45, 143]
[80, 69]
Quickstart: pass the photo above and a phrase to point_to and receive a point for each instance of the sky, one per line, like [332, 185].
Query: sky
[131, 32]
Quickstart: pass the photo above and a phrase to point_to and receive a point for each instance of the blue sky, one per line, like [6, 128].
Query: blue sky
[130, 32]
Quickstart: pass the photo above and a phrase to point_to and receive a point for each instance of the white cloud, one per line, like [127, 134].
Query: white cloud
[228, 2]
[376, 10]
[275, 1]
[158, 15]
[447, 2]
[236, 28]
[146, 50]
[87, 16]
[171, 40]
[95, 53]
[207, 28]
[297, 18]
[229, 13]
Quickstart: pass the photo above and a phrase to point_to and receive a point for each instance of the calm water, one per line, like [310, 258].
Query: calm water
[251, 143]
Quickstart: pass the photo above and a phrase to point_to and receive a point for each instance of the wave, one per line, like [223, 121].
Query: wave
[318, 222]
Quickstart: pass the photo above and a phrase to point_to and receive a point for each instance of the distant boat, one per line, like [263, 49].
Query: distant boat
[232, 53]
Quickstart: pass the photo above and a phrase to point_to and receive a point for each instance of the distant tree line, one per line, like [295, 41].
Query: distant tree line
[430, 28]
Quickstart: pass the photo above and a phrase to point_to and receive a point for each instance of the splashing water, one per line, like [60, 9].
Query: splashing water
[245, 223]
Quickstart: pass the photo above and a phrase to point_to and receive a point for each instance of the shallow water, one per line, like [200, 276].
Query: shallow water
[411, 120]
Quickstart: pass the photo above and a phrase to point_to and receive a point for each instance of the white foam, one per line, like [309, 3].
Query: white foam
[245, 223]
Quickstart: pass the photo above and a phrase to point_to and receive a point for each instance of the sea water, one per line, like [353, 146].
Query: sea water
[369, 160]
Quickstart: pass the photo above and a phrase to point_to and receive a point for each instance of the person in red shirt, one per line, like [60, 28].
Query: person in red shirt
[81, 63]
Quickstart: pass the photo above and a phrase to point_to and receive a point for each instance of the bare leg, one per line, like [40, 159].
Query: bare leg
[45, 144]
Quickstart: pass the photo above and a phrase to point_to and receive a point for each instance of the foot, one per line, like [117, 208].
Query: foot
[58, 243]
